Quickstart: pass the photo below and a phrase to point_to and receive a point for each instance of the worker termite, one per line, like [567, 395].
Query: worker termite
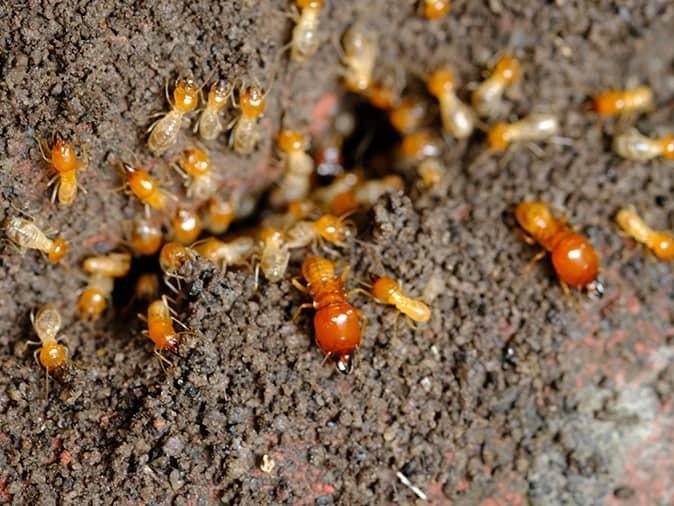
[186, 225]
[573, 257]
[305, 34]
[51, 355]
[246, 132]
[535, 127]
[64, 160]
[296, 181]
[326, 194]
[297, 210]
[102, 269]
[408, 115]
[487, 97]
[196, 167]
[366, 194]
[274, 257]
[619, 102]
[434, 9]
[225, 253]
[209, 123]
[145, 187]
[337, 324]
[164, 132]
[172, 257]
[330, 228]
[145, 236]
[25, 235]
[387, 291]
[660, 242]
[457, 118]
[423, 149]
[635, 146]
[160, 330]
[359, 56]
[219, 214]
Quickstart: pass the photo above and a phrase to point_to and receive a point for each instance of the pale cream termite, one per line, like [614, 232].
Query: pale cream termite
[209, 123]
[535, 127]
[27, 235]
[296, 181]
[360, 55]
[164, 132]
[487, 96]
[246, 132]
[635, 146]
[660, 242]
[457, 118]
[274, 256]
[224, 254]
[305, 34]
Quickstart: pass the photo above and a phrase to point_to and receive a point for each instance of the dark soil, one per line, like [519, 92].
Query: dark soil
[510, 395]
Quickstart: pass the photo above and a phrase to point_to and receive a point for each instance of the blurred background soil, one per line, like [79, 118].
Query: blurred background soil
[510, 395]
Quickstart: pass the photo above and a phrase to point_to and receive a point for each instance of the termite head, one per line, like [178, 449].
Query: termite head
[185, 95]
[195, 161]
[63, 155]
[220, 92]
[309, 4]
[252, 101]
[291, 140]
[441, 82]
[420, 145]
[508, 69]
[53, 356]
[58, 250]
[535, 218]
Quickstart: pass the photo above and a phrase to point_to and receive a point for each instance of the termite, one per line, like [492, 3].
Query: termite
[387, 291]
[219, 214]
[330, 228]
[535, 127]
[64, 160]
[186, 225]
[457, 118]
[434, 9]
[164, 132]
[145, 237]
[196, 165]
[573, 257]
[296, 181]
[246, 131]
[337, 324]
[423, 150]
[209, 123]
[102, 270]
[27, 235]
[145, 187]
[224, 254]
[172, 257]
[274, 256]
[619, 102]
[635, 146]
[359, 56]
[326, 194]
[366, 194]
[408, 115]
[160, 328]
[659, 241]
[487, 97]
[305, 34]
[51, 355]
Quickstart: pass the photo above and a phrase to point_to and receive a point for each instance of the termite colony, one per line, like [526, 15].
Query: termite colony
[306, 220]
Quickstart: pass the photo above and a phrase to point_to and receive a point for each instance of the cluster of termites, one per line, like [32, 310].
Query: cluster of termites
[179, 228]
